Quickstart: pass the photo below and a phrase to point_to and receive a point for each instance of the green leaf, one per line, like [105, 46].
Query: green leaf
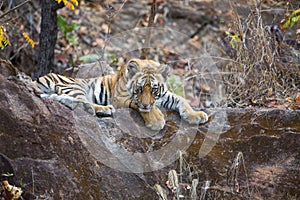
[175, 84]
[72, 40]
[89, 58]
[287, 23]
[295, 20]
[71, 27]
[295, 12]
[61, 23]
[64, 26]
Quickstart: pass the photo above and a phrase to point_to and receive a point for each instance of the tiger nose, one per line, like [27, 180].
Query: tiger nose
[145, 105]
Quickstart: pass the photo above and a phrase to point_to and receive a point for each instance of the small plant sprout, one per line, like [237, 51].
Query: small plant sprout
[194, 189]
[233, 173]
[172, 182]
[204, 188]
[161, 192]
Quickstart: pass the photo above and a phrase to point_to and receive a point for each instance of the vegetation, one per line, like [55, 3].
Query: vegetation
[265, 69]
[259, 54]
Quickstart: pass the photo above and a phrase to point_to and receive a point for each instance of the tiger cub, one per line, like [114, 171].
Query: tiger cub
[140, 84]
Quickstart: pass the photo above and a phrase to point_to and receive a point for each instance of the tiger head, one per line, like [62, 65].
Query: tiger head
[145, 82]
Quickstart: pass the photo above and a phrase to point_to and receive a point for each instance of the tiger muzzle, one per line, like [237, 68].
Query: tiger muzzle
[146, 103]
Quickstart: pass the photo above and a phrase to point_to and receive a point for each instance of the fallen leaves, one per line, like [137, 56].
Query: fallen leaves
[273, 102]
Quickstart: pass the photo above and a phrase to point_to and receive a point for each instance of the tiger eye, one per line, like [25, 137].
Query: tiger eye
[154, 90]
[139, 90]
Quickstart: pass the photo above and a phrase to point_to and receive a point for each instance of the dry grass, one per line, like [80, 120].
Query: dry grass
[187, 183]
[264, 66]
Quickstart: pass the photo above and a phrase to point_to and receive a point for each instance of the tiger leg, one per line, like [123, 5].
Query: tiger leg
[154, 119]
[73, 103]
[102, 110]
[174, 102]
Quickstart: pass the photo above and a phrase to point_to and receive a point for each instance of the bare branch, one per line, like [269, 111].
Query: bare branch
[14, 8]
[150, 25]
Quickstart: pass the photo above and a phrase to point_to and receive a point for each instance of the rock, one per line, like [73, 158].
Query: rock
[43, 152]
[268, 140]
[41, 148]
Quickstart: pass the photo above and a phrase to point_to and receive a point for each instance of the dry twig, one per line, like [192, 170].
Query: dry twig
[150, 25]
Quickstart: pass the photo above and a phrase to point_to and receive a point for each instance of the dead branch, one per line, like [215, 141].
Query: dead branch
[14, 8]
[150, 25]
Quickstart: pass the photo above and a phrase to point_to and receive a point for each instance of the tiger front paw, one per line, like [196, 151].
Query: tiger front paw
[103, 111]
[154, 119]
[197, 117]
[156, 124]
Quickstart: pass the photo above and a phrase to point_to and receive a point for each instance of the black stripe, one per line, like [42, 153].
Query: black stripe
[131, 101]
[109, 85]
[49, 81]
[101, 93]
[177, 102]
[42, 84]
[53, 78]
[62, 79]
[172, 102]
[75, 95]
[83, 81]
[67, 90]
[94, 98]
[105, 98]
[166, 102]
[163, 94]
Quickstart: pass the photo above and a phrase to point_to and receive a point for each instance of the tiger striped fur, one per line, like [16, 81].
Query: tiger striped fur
[140, 84]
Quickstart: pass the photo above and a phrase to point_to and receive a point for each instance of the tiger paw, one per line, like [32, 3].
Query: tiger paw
[104, 111]
[197, 117]
[156, 125]
[154, 119]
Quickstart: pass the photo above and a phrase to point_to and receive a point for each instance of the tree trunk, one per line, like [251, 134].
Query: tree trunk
[48, 37]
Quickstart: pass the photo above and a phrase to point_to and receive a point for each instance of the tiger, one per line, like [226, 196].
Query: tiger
[139, 84]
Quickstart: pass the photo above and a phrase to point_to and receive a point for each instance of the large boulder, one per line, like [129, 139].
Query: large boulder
[41, 148]
[256, 154]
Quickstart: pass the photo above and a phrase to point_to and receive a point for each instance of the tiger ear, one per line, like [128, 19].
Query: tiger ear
[132, 69]
[164, 70]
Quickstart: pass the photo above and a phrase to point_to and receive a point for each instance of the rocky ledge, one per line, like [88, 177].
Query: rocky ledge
[42, 153]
